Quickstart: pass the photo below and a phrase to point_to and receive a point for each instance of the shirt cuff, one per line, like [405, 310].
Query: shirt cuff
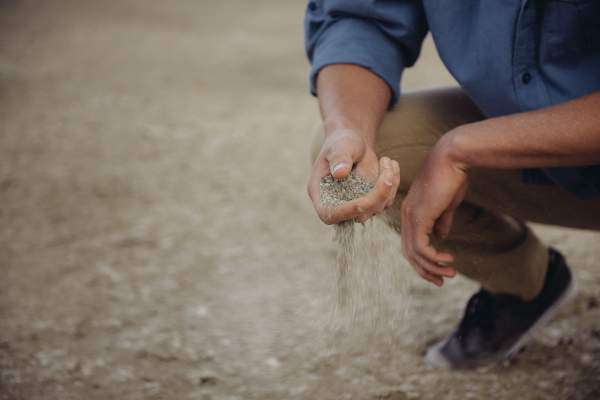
[358, 42]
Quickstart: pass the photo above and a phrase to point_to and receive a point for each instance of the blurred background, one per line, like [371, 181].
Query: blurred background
[156, 241]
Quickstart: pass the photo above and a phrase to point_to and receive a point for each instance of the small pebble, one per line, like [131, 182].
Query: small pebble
[273, 362]
[201, 311]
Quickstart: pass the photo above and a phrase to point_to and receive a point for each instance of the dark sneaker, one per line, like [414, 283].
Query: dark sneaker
[496, 326]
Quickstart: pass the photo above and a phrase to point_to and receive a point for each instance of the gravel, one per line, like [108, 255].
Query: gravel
[338, 191]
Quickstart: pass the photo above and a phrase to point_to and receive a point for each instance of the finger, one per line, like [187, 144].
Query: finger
[312, 188]
[386, 171]
[373, 203]
[340, 163]
[422, 245]
[360, 210]
[411, 257]
[394, 191]
[354, 209]
[435, 269]
[376, 200]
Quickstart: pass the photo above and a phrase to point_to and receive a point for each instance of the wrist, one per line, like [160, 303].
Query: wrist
[453, 147]
[349, 127]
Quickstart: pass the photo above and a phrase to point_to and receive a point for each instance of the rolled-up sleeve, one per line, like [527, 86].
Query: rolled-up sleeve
[384, 36]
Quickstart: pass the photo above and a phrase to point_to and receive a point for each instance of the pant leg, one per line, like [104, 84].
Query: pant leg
[498, 251]
[491, 247]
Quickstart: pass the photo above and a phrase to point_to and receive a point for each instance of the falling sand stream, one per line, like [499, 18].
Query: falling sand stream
[371, 298]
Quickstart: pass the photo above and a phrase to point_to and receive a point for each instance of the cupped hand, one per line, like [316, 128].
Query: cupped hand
[342, 151]
[428, 209]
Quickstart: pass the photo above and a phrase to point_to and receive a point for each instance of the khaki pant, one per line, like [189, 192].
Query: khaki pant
[489, 239]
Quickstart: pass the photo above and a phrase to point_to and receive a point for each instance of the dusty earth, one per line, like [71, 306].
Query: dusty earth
[155, 238]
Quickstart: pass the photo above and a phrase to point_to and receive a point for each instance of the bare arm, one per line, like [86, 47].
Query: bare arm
[564, 135]
[353, 102]
[351, 97]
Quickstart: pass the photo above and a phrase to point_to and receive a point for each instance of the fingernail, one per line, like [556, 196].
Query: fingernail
[388, 179]
[386, 162]
[337, 167]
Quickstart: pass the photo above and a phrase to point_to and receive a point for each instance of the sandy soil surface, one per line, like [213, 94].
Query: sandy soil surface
[155, 237]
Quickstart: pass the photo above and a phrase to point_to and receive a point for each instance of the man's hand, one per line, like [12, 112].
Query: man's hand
[353, 101]
[566, 134]
[428, 209]
[341, 150]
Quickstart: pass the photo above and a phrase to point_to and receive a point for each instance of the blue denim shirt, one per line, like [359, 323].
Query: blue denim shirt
[509, 56]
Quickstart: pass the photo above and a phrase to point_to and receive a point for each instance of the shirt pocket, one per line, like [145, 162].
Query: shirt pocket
[569, 30]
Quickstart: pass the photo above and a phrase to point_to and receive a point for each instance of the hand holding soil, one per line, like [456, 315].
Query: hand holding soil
[343, 151]
[335, 192]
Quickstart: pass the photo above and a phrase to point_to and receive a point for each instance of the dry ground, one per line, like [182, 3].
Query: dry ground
[155, 238]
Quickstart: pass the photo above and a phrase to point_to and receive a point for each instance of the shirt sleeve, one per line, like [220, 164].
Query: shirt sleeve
[384, 36]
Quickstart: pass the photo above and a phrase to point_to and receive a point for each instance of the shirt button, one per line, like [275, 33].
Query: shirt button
[526, 78]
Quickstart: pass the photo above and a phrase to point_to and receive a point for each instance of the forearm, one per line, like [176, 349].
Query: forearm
[564, 135]
[351, 97]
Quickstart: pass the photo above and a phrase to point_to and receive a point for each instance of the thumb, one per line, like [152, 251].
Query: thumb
[340, 164]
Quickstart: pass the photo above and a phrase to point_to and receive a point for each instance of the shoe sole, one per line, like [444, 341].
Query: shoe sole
[564, 298]
[435, 359]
